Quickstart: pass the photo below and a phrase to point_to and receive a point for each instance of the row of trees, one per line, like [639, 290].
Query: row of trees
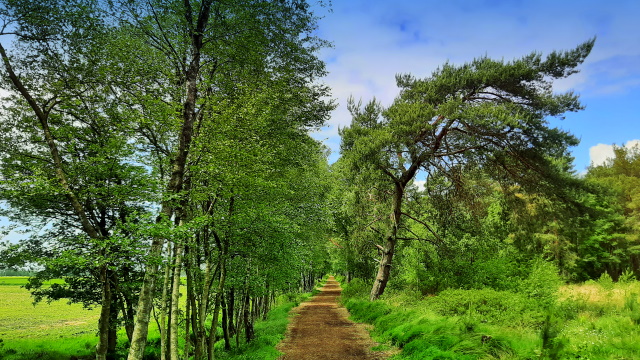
[499, 190]
[152, 141]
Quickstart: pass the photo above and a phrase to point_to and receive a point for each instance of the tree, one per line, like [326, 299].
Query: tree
[615, 243]
[489, 112]
[67, 153]
[121, 94]
[212, 49]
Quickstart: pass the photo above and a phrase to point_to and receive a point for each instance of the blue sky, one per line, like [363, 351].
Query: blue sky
[374, 40]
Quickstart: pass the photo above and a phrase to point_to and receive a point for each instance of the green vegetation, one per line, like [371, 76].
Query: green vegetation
[161, 152]
[147, 140]
[58, 330]
[504, 252]
[55, 330]
[595, 320]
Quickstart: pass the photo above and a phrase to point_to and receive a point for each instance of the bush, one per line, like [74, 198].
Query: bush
[605, 281]
[488, 306]
[627, 277]
[631, 305]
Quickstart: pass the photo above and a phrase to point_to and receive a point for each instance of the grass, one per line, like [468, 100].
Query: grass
[22, 280]
[35, 332]
[588, 321]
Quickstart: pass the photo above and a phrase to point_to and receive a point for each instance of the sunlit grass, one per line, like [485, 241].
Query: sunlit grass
[594, 293]
[595, 320]
[28, 331]
[21, 319]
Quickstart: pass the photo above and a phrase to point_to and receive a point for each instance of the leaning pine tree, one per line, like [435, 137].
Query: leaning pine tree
[493, 113]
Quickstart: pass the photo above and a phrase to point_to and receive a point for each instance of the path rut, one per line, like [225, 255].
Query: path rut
[320, 329]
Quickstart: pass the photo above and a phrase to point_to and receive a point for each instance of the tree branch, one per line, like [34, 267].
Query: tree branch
[425, 225]
[53, 149]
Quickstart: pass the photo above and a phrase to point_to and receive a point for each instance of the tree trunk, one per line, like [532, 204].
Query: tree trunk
[187, 325]
[105, 316]
[128, 313]
[389, 247]
[238, 324]
[225, 324]
[175, 304]
[164, 301]
[248, 323]
[189, 115]
[216, 310]
[113, 317]
[113, 340]
[231, 311]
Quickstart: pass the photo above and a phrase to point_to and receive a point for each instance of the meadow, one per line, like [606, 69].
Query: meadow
[55, 330]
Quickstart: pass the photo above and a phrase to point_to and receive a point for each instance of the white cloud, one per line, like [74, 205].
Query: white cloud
[600, 153]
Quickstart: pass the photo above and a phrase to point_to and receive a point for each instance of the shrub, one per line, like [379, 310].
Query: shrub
[631, 305]
[487, 305]
[552, 343]
[627, 277]
[605, 281]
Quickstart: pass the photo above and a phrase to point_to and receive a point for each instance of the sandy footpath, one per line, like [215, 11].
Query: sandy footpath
[320, 329]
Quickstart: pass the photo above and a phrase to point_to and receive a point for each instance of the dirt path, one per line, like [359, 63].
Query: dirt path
[321, 329]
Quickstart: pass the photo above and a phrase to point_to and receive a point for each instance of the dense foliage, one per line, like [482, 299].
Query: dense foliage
[499, 192]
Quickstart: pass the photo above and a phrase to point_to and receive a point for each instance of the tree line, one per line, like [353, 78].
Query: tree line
[162, 149]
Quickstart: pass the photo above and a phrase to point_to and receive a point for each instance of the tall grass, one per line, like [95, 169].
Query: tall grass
[596, 320]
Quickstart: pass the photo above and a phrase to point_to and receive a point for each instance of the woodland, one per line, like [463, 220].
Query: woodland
[160, 154]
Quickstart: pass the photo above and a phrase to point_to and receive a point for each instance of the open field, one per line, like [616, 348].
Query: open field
[56, 327]
[59, 331]
[21, 319]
